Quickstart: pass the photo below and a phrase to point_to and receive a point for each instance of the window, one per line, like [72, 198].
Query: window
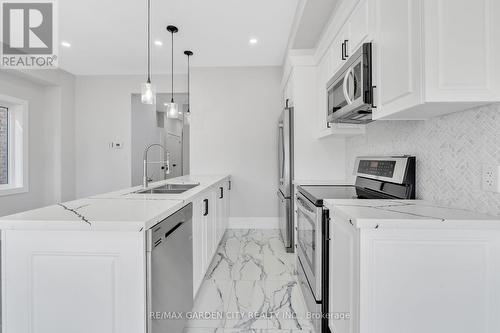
[4, 145]
[13, 145]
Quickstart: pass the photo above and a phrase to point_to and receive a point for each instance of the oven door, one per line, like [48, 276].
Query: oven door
[309, 219]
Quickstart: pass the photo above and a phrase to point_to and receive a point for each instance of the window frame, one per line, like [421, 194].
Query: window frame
[2, 107]
[18, 136]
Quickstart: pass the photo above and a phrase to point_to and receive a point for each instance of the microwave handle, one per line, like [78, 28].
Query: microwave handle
[344, 86]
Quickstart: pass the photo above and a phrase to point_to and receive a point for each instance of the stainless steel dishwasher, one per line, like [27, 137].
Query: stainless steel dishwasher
[169, 254]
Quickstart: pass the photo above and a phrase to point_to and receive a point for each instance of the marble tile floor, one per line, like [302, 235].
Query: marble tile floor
[251, 287]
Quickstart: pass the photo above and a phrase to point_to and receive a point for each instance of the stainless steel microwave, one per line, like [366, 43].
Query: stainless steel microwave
[350, 91]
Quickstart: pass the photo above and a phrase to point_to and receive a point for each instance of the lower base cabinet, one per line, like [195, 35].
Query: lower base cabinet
[210, 221]
[413, 280]
[222, 209]
[73, 281]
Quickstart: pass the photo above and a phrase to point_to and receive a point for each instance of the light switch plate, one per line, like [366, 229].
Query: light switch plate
[490, 178]
[115, 145]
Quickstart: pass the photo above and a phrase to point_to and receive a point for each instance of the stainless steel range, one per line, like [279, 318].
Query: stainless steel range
[376, 178]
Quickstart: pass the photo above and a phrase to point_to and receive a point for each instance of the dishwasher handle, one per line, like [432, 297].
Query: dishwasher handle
[171, 231]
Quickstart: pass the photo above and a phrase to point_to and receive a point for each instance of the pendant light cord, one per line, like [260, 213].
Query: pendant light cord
[149, 41]
[189, 89]
[172, 67]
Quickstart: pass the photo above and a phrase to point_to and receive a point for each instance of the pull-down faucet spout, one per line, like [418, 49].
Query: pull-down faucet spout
[145, 179]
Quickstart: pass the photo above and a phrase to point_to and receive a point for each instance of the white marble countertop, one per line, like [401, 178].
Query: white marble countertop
[397, 214]
[121, 210]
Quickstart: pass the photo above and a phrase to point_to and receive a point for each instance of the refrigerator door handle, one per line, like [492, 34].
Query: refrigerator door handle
[282, 152]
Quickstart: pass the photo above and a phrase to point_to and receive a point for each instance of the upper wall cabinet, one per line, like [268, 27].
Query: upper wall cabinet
[359, 25]
[355, 31]
[435, 56]
[350, 37]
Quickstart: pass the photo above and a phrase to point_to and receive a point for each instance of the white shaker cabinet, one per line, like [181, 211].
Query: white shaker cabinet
[199, 242]
[435, 56]
[222, 209]
[73, 281]
[210, 221]
[413, 280]
[355, 31]
[210, 216]
[343, 290]
[360, 26]
[204, 235]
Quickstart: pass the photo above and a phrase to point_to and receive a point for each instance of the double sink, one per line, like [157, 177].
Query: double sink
[168, 189]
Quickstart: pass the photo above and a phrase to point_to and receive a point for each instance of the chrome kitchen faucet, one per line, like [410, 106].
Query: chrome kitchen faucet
[166, 164]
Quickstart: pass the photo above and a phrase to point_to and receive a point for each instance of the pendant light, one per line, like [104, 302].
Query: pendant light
[172, 108]
[148, 90]
[187, 115]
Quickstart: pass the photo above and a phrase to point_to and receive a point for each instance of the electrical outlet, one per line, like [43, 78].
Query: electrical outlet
[490, 178]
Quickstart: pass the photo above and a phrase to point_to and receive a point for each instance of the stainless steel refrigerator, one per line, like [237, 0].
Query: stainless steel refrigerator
[285, 191]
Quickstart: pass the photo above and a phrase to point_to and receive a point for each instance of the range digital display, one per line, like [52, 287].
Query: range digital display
[377, 168]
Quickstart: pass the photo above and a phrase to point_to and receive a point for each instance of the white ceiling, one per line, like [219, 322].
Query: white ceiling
[109, 36]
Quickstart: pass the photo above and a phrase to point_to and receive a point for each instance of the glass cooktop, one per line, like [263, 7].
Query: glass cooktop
[317, 193]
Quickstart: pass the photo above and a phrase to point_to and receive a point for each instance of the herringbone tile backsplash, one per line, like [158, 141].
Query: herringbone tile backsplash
[451, 151]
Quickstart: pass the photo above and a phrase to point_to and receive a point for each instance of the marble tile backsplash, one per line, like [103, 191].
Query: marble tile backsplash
[451, 151]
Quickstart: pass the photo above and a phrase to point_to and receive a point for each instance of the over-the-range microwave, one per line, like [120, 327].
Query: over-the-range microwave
[350, 91]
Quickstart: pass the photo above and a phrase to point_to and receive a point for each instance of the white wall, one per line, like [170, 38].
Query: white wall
[103, 115]
[315, 159]
[51, 137]
[233, 130]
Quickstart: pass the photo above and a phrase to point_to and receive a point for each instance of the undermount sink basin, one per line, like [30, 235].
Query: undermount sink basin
[168, 189]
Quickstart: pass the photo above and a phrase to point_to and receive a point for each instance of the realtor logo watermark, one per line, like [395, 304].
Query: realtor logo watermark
[29, 34]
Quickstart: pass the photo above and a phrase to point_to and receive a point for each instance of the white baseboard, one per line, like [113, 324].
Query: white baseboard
[253, 223]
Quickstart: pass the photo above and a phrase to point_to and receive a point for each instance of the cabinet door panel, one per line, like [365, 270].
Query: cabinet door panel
[199, 244]
[459, 41]
[211, 227]
[343, 279]
[227, 203]
[398, 54]
[337, 56]
[358, 26]
[220, 211]
[73, 281]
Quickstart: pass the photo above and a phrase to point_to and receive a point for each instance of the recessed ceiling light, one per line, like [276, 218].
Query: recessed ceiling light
[253, 41]
[158, 43]
[65, 44]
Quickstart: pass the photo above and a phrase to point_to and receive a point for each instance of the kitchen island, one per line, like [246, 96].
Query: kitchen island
[80, 266]
[412, 266]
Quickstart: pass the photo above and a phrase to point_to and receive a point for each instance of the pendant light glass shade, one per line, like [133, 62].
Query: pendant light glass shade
[148, 90]
[148, 93]
[187, 118]
[172, 110]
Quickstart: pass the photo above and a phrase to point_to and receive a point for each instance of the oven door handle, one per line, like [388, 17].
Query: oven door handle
[304, 210]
